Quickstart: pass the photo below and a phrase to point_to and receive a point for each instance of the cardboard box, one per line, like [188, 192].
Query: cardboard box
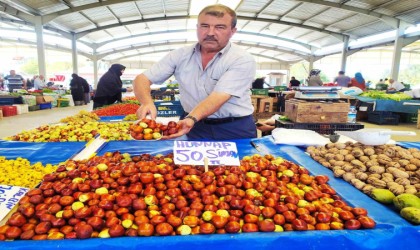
[316, 111]
[44, 99]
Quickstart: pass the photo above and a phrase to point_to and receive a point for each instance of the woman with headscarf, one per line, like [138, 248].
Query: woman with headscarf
[76, 88]
[109, 89]
[358, 81]
[314, 79]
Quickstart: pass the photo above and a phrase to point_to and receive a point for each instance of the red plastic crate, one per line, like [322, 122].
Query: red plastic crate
[9, 110]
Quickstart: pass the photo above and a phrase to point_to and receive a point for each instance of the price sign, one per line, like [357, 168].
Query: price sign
[217, 153]
[9, 197]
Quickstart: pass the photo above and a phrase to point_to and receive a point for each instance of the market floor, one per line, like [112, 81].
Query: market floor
[15, 124]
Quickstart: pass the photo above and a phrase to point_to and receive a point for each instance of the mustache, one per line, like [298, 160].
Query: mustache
[210, 38]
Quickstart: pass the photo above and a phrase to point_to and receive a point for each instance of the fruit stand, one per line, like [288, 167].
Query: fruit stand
[391, 231]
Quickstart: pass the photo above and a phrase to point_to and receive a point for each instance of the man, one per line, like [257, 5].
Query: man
[293, 82]
[395, 86]
[214, 78]
[39, 82]
[342, 80]
[258, 83]
[15, 81]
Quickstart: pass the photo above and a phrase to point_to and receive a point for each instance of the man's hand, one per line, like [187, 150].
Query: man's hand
[184, 127]
[129, 89]
[147, 109]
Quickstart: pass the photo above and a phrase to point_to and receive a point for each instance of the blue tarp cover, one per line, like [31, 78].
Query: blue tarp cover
[392, 232]
[45, 152]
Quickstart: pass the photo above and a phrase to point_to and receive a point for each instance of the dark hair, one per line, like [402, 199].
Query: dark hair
[74, 75]
[341, 72]
[219, 10]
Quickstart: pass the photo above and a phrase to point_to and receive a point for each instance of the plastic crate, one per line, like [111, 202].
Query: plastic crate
[61, 102]
[408, 118]
[280, 88]
[383, 118]
[33, 108]
[259, 91]
[321, 128]
[168, 109]
[381, 86]
[46, 105]
[9, 110]
[6, 100]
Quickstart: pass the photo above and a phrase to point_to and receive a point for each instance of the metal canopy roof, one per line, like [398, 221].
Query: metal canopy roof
[272, 30]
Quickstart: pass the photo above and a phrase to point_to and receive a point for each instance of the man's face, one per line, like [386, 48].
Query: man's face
[12, 72]
[214, 32]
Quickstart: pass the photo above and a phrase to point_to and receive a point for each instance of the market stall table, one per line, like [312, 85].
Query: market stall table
[391, 232]
[391, 106]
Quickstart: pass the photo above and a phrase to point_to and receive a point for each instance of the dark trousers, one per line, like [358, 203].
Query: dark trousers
[238, 129]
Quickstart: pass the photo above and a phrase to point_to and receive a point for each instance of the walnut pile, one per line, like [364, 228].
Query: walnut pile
[369, 167]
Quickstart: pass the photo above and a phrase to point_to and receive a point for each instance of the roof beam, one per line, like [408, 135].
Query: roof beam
[388, 19]
[10, 10]
[242, 43]
[98, 45]
[48, 18]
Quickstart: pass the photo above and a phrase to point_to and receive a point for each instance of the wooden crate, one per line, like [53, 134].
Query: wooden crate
[316, 111]
[418, 119]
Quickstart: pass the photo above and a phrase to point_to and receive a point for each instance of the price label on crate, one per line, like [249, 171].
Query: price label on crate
[217, 153]
[9, 197]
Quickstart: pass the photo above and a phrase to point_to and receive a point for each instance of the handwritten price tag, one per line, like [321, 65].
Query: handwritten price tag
[9, 197]
[217, 153]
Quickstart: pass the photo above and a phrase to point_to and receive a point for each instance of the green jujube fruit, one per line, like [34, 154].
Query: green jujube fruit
[382, 195]
[406, 200]
[412, 214]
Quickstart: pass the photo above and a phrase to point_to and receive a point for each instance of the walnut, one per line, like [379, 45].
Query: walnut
[326, 164]
[340, 145]
[343, 152]
[403, 162]
[340, 163]
[377, 169]
[367, 189]
[373, 157]
[349, 158]
[332, 162]
[358, 183]
[415, 162]
[339, 157]
[329, 156]
[333, 150]
[391, 183]
[397, 189]
[397, 172]
[317, 158]
[347, 167]
[402, 181]
[390, 152]
[311, 149]
[330, 145]
[357, 152]
[369, 151]
[387, 175]
[355, 171]
[361, 176]
[371, 163]
[417, 186]
[376, 182]
[339, 172]
[387, 180]
[418, 173]
[384, 159]
[364, 158]
[416, 154]
[410, 189]
[393, 164]
[414, 180]
[348, 176]
[378, 176]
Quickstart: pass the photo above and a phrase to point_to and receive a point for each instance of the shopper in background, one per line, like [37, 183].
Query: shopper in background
[86, 90]
[342, 80]
[293, 82]
[314, 78]
[215, 77]
[76, 88]
[15, 81]
[258, 83]
[358, 81]
[109, 89]
[1, 82]
[395, 86]
[39, 82]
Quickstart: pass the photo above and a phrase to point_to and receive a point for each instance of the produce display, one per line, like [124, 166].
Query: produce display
[80, 131]
[81, 117]
[376, 94]
[117, 109]
[130, 99]
[117, 195]
[148, 129]
[383, 172]
[131, 117]
[20, 172]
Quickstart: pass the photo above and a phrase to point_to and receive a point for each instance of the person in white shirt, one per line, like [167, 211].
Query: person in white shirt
[395, 86]
[39, 82]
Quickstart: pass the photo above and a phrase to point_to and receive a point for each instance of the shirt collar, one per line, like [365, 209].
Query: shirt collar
[222, 51]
